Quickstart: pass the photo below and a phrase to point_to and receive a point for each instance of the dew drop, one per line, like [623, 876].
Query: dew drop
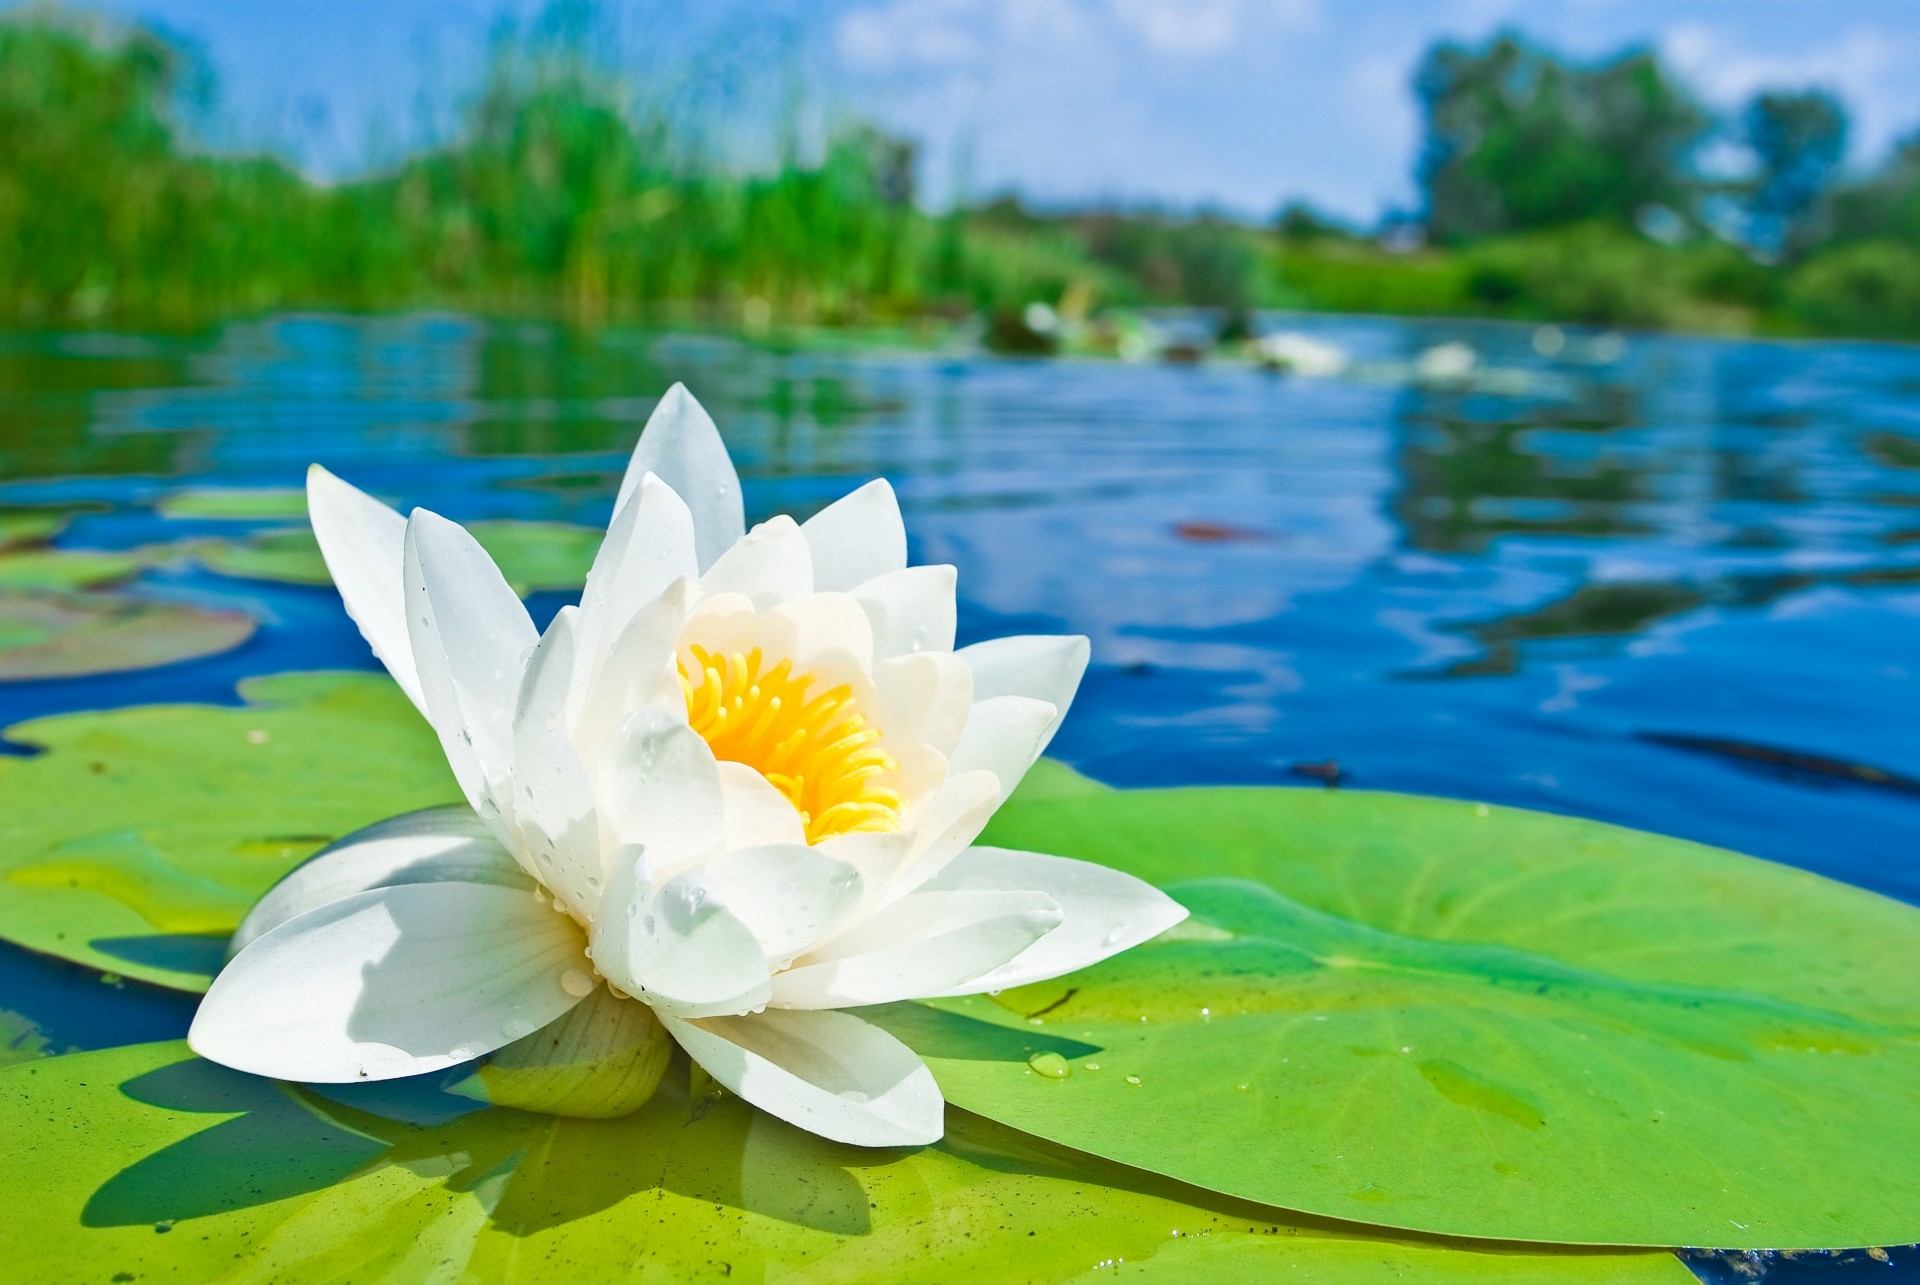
[1051, 1065]
[576, 983]
[1093, 1066]
[1133, 1079]
[1243, 1088]
[1117, 934]
[516, 1028]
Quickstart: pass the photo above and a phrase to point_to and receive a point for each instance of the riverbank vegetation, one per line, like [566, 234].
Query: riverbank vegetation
[1551, 191]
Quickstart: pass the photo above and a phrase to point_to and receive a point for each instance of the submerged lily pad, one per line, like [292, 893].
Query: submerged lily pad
[251, 1180]
[65, 635]
[533, 556]
[1468, 1020]
[140, 837]
[227, 503]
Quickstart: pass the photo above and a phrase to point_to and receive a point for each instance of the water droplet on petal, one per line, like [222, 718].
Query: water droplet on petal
[576, 983]
[516, 1028]
[1051, 1065]
[1117, 934]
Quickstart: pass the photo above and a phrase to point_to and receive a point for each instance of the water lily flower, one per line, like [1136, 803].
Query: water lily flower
[735, 790]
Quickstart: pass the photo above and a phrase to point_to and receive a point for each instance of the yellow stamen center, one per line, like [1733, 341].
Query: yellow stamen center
[816, 750]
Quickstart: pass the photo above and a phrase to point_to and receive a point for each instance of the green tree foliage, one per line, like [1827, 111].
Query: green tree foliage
[1799, 140]
[1519, 139]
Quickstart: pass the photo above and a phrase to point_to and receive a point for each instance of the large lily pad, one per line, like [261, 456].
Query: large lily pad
[1470, 1020]
[140, 837]
[234, 503]
[65, 635]
[245, 1179]
[533, 556]
[67, 568]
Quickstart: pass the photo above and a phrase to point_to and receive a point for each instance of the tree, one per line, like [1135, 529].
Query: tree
[1799, 141]
[1517, 138]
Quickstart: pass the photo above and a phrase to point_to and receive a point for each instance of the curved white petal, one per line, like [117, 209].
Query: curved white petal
[435, 845]
[769, 565]
[552, 796]
[829, 1073]
[681, 446]
[789, 894]
[648, 547]
[1105, 911]
[1003, 736]
[470, 635]
[390, 982]
[1046, 667]
[857, 537]
[637, 670]
[364, 542]
[659, 788]
[912, 610]
[928, 943]
[822, 630]
[757, 813]
[942, 828]
[925, 697]
[681, 950]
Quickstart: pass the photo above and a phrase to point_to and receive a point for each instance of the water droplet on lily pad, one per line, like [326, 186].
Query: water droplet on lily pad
[1051, 1065]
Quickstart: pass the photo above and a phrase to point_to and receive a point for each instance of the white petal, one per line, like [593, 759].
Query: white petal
[942, 828]
[552, 795]
[390, 982]
[878, 855]
[1105, 910]
[364, 542]
[681, 446]
[911, 610]
[757, 813]
[820, 631]
[681, 950]
[829, 1073]
[648, 547]
[790, 895]
[928, 943]
[436, 845]
[659, 788]
[637, 670]
[925, 697]
[768, 565]
[1003, 736]
[1046, 667]
[857, 537]
[471, 635]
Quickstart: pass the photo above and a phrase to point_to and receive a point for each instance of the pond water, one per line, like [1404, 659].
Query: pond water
[1668, 582]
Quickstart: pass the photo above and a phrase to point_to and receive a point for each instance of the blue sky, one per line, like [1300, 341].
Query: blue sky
[1240, 103]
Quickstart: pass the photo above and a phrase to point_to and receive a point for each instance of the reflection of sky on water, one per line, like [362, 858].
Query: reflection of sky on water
[1498, 591]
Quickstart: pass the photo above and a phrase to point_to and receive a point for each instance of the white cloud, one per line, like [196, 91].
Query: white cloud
[1198, 28]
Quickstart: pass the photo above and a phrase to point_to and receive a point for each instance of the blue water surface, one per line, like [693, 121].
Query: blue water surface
[1668, 582]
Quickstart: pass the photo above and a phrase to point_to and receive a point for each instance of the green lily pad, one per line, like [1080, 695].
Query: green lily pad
[1472, 1021]
[534, 556]
[66, 568]
[245, 1179]
[226, 503]
[31, 526]
[136, 842]
[65, 635]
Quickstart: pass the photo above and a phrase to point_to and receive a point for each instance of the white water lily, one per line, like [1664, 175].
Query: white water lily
[747, 771]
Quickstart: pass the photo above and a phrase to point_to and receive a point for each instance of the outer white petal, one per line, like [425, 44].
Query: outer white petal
[911, 610]
[681, 446]
[436, 845]
[470, 635]
[790, 895]
[648, 547]
[857, 537]
[769, 565]
[552, 794]
[942, 828]
[829, 1073]
[363, 542]
[1105, 910]
[1003, 736]
[1046, 667]
[928, 943]
[390, 982]
[679, 949]
[757, 813]
[659, 788]
[925, 697]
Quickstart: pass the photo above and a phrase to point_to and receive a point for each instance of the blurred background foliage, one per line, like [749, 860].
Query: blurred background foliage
[1552, 190]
